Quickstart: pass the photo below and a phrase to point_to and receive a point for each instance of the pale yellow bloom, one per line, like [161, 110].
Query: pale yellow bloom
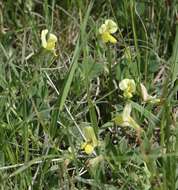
[146, 97]
[50, 42]
[128, 86]
[91, 140]
[87, 147]
[125, 119]
[106, 29]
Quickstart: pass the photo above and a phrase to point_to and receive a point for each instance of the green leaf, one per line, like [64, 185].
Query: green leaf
[174, 58]
[65, 90]
[152, 118]
[67, 84]
[69, 78]
[91, 69]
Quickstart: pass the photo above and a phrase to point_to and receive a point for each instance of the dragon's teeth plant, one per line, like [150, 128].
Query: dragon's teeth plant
[50, 42]
[146, 97]
[107, 29]
[125, 120]
[128, 86]
[91, 141]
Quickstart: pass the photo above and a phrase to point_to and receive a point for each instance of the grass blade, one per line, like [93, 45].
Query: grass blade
[174, 58]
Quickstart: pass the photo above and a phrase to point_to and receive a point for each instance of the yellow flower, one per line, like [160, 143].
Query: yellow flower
[91, 140]
[125, 120]
[50, 42]
[87, 147]
[106, 29]
[146, 97]
[128, 86]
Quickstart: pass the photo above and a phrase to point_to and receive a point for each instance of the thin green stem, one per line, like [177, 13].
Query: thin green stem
[132, 9]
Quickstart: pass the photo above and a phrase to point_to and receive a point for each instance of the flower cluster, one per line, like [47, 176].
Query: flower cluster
[128, 86]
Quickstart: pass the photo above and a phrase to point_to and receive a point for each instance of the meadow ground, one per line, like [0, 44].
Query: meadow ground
[91, 103]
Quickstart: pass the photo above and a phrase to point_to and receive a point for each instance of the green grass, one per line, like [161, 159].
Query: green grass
[46, 101]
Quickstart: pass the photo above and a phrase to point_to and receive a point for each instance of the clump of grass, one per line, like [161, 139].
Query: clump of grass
[53, 102]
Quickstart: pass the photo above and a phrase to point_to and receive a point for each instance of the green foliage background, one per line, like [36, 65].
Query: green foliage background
[46, 101]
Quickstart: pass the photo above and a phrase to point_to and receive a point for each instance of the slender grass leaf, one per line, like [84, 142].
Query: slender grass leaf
[152, 118]
[174, 58]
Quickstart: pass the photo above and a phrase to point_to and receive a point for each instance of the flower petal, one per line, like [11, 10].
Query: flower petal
[90, 136]
[132, 86]
[127, 111]
[107, 37]
[134, 124]
[102, 29]
[123, 85]
[111, 26]
[144, 92]
[89, 149]
[112, 39]
[43, 37]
